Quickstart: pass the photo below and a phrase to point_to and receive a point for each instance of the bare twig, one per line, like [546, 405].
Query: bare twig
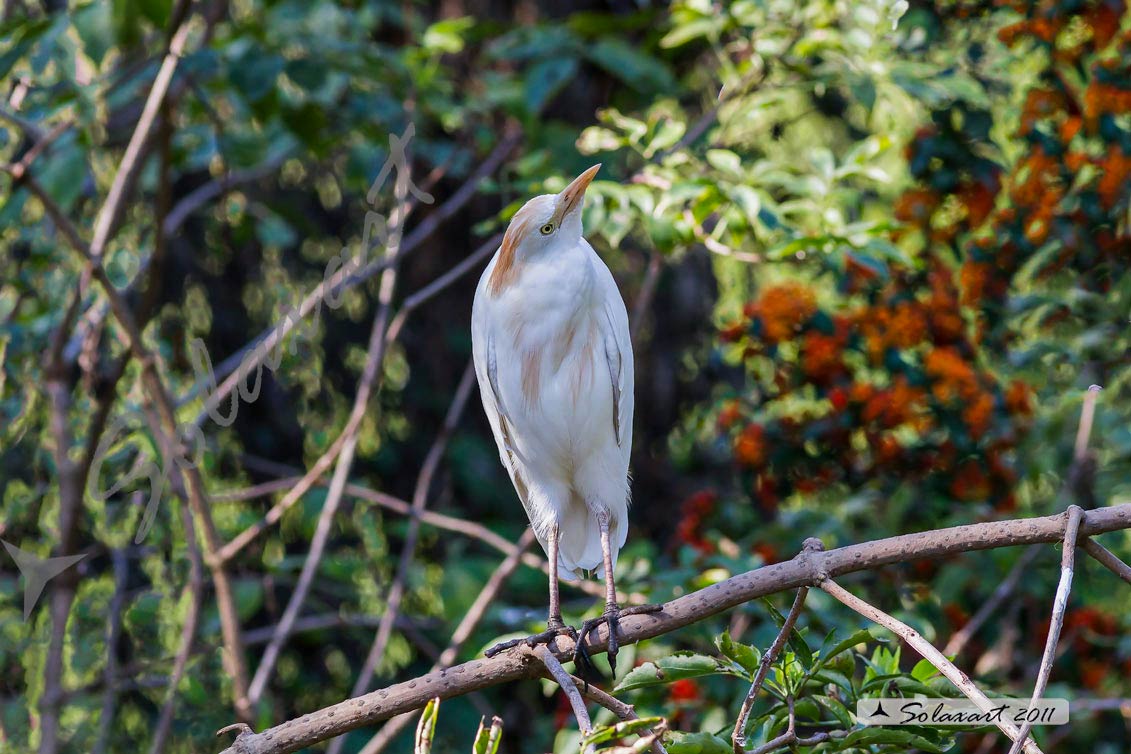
[1087, 417]
[63, 592]
[714, 245]
[463, 631]
[1108, 559]
[738, 736]
[254, 352]
[960, 680]
[132, 161]
[62, 222]
[408, 549]
[1003, 592]
[646, 294]
[468, 264]
[565, 680]
[622, 710]
[195, 591]
[519, 663]
[113, 632]
[203, 194]
[470, 529]
[20, 168]
[1059, 605]
[378, 347]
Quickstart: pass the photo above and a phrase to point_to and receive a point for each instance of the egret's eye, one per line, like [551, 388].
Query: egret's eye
[547, 229]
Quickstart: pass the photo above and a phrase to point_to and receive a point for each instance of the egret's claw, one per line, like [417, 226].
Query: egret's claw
[552, 632]
[611, 616]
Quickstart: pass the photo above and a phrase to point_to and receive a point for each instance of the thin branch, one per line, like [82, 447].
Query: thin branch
[1003, 592]
[470, 529]
[622, 710]
[132, 160]
[519, 663]
[714, 245]
[960, 680]
[565, 680]
[63, 590]
[62, 222]
[1109, 559]
[1087, 417]
[468, 264]
[253, 353]
[408, 549]
[378, 347]
[195, 592]
[1059, 605]
[28, 126]
[113, 632]
[646, 294]
[20, 168]
[203, 194]
[738, 736]
[463, 631]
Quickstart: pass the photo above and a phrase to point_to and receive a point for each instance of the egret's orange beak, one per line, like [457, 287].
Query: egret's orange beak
[571, 196]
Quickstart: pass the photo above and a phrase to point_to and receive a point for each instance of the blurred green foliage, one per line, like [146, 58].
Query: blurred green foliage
[894, 244]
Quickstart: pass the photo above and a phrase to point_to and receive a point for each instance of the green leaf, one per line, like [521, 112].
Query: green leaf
[447, 35]
[697, 743]
[273, 230]
[487, 739]
[863, 636]
[427, 727]
[686, 32]
[746, 656]
[669, 132]
[640, 71]
[254, 73]
[798, 644]
[546, 79]
[838, 710]
[63, 176]
[835, 677]
[726, 161]
[157, 11]
[673, 668]
[924, 671]
[606, 733]
[873, 736]
[95, 26]
[596, 139]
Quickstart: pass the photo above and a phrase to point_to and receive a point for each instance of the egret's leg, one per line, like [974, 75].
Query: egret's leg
[555, 626]
[555, 620]
[613, 612]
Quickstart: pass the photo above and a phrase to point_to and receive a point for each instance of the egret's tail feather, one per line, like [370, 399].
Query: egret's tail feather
[580, 546]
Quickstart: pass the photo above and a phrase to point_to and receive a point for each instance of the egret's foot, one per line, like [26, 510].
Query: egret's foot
[612, 616]
[553, 631]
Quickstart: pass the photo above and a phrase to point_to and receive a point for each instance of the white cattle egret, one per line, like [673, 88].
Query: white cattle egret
[554, 361]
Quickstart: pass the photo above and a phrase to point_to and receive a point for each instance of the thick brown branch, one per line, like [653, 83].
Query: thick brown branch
[804, 570]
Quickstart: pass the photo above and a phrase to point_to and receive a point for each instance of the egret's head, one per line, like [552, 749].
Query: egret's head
[550, 219]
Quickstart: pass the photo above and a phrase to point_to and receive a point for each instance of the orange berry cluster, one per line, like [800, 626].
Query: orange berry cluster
[893, 390]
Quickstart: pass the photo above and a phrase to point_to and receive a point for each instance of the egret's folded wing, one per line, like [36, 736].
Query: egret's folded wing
[612, 322]
[486, 371]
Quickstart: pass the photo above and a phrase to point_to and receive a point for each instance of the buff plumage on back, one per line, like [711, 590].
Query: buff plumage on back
[506, 267]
